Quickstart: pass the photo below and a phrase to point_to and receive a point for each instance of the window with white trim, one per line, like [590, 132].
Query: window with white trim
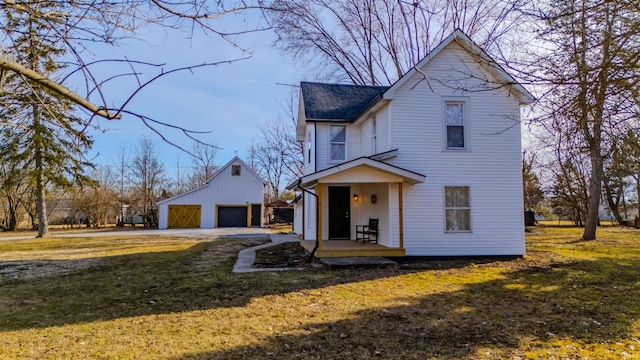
[457, 209]
[374, 135]
[338, 136]
[454, 118]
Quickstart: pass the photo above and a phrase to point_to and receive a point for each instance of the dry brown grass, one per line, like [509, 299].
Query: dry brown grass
[177, 299]
[280, 228]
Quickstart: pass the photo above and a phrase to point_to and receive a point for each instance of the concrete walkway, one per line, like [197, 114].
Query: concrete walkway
[246, 257]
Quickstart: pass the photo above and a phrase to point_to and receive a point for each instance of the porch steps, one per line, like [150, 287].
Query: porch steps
[359, 262]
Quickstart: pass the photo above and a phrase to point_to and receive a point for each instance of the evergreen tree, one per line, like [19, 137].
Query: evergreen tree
[533, 194]
[46, 136]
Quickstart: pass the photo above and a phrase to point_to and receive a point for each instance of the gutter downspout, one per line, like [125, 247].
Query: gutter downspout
[313, 252]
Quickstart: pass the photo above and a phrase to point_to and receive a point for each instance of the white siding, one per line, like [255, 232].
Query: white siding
[297, 218]
[310, 163]
[361, 174]
[353, 142]
[394, 215]
[222, 189]
[309, 216]
[384, 129]
[366, 143]
[323, 145]
[491, 167]
[413, 123]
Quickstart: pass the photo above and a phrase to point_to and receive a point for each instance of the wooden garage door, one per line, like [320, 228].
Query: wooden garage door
[184, 216]
[232, 216]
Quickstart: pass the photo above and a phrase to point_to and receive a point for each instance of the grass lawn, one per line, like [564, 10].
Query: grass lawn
[172, 298]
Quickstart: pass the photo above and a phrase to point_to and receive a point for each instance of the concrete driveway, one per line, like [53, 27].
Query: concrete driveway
[220, 233]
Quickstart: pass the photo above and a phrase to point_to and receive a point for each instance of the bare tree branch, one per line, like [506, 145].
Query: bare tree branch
[57, 88]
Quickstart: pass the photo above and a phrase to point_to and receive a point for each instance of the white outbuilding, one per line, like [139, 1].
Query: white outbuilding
[232, 197]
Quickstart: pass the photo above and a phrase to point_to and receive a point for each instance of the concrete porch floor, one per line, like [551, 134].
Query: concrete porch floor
[349, 248]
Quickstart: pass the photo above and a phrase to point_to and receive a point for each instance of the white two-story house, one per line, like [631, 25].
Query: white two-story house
[435, 158]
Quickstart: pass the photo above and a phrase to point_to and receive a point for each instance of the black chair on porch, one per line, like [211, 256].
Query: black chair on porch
[368, 233]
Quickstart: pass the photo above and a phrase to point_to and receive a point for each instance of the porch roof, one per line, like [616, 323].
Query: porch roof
[363, 169]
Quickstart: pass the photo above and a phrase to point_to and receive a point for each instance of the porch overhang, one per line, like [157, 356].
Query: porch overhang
[362, 170]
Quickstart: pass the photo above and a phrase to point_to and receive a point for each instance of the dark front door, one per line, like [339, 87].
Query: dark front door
[339, 207]
[255, 214]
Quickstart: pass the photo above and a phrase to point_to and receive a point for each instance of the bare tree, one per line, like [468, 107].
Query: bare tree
[589, 69]
[270, 156]
[147, 176]
[100, 200]
[14, 184]
[121, 169]
[374, 42]
[294, 150]
[569, 192]
[631, 151]
[615, 180]
[277, 156]
[204, 164]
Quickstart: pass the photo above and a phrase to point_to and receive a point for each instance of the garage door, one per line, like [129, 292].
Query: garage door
[184, 216]
[232, 216]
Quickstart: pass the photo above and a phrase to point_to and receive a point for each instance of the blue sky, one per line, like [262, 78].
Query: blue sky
[230, 100]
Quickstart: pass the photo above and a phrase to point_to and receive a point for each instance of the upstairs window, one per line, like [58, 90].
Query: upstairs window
[338, 136]
[457, 209]
[454, 115]
[235, 170]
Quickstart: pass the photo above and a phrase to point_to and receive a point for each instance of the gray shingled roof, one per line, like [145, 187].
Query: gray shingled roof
[338, 101]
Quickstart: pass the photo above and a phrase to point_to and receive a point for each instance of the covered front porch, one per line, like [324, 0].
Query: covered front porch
[340, 199]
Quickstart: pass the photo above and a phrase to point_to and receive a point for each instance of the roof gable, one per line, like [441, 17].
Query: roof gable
[231, 162]
[408, 176]
[347, 103]
[216, 173]
[338, 102]
[524, 96]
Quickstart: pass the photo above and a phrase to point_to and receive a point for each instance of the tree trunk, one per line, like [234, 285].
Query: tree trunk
[595, 193]
[612, 203]
[12, 224]
[32, 218]
[41, 204]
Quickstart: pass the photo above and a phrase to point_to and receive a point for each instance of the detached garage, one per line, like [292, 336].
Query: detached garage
[232, 197]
